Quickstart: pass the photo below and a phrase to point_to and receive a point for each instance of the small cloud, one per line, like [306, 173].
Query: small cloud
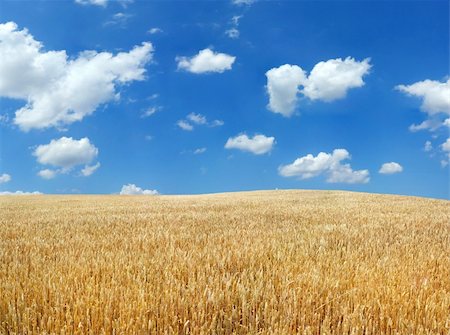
[4, 118]
[199, 151]
[243, 2]
[216, 123]
[148, 137]
[232, 33]
[101, 3]
[258, 144]
[206, 61]
[155, 30]
[150, 111]
[47, 173]
[119, 19]
[197, 118]
[185, 125]
[4, 178]
[390, 168]
[132, 189]
[89, 169]
[428, 146]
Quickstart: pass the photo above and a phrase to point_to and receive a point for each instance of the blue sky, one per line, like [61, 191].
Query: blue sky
[272, 94]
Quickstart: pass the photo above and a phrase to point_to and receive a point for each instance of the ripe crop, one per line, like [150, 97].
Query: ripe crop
[272, 262]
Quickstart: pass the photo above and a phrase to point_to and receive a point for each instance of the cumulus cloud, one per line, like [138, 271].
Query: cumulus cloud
[327, 81]
[19, 193]
[4, 178]
[64, 154]
[60, 90]
[132, 189]
[331, 165]
[390, 168]
[435, 96]
[282, 86]
[90, 169]
[428, 146]
[206, 61]
[47, 173]
[258, 144]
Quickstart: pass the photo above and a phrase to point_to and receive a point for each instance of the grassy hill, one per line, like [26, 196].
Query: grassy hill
[269, 262]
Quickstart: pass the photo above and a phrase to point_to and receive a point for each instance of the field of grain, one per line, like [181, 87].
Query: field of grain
[275, 262]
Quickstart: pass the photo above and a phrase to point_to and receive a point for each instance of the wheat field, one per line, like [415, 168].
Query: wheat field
[269, 262]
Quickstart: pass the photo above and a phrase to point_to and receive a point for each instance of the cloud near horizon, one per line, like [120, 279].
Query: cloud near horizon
[132, 189]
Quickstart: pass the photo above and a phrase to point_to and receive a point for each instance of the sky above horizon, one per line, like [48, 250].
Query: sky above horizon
[185, 97]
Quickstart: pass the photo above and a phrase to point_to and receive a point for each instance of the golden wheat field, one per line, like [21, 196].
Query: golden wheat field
[272, 262]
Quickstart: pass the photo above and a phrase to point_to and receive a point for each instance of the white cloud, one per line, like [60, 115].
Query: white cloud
[258, 144]
[446, 147]
[120, 19]
[328, 81]
[197, 118]
[101, 3]
[155, 30]
[428, 146]
[447, 122]
[60, 90]
[20, 193]
[47, 173]
[206, 61]
[216, 123]
[324, 163]
[243, 2]
[232, 33]
[185, 125]
[4, 178]
[150, 111]
[431, 124]
[332, 79]
[66, 153]
[282, 86]
[435, 95]
[132, 189]
[90, 169]
[199, 151]
[390, 168]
